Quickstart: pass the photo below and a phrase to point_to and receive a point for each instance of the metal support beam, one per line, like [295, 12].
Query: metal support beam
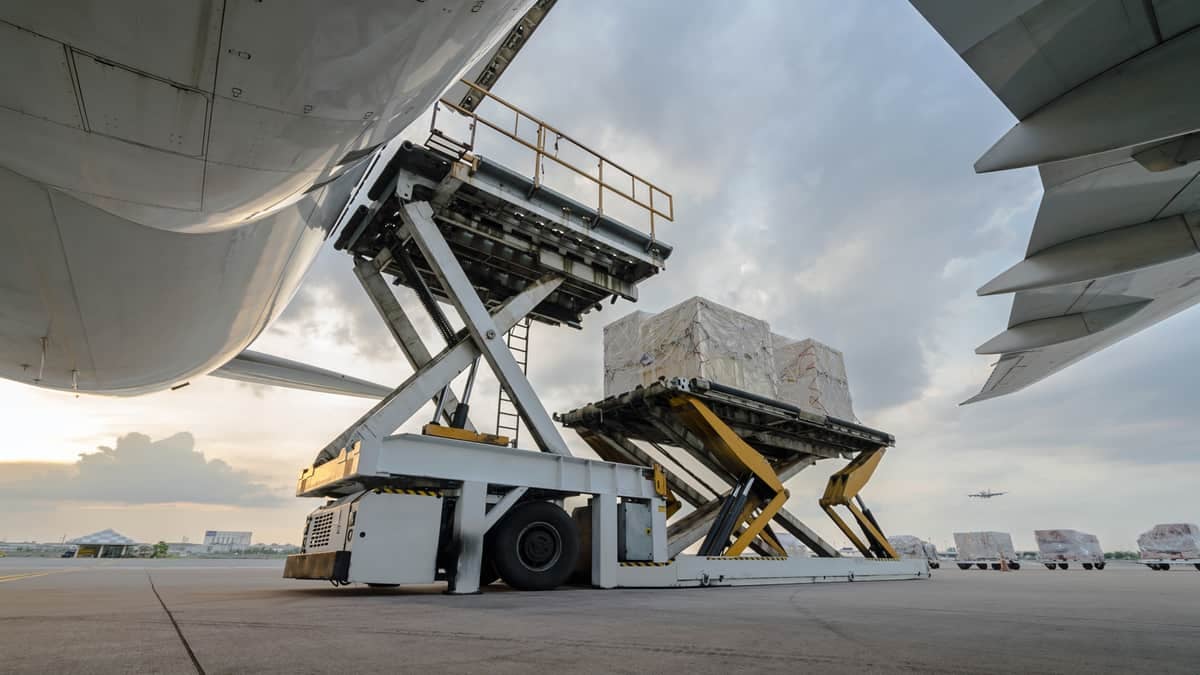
[404, 402]
[483, 329]
[684, 438]
[501, 507]
[469, 528]
[604, 541]
[617, 448]
[691, 528]
[398, 323]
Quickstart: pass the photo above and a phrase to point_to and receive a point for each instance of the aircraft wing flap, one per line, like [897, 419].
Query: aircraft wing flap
[1096, 88]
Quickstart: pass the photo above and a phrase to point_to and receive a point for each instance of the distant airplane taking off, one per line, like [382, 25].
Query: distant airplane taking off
[986, 494]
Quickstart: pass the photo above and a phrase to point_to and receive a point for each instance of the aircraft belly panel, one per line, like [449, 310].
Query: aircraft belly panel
[150, 236]
[128, 309]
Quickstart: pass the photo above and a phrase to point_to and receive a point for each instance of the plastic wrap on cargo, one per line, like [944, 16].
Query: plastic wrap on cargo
[812, 375]
[700, 338]
[984, 546]
[908, 546]
[1172, 541]
[931, 551]
[1068, 545]
[696, 338]
[623, 353]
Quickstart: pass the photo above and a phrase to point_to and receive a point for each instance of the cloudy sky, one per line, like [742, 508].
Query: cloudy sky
[820, 156]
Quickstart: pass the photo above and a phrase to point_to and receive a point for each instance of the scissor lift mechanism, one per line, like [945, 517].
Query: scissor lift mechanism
[412, 508]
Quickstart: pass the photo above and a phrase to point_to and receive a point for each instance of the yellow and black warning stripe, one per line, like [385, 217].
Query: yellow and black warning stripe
[726, 557]
[407, 491]
[647, 564]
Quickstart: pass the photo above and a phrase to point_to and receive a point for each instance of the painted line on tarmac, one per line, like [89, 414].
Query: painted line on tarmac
[30, 575]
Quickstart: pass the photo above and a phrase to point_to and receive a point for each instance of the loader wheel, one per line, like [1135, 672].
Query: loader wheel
[982, 566]
[1051, 566]
[1062, 566]
[964, 566]
[535, 546]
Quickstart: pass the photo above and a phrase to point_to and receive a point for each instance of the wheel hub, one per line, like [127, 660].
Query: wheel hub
[539, 546]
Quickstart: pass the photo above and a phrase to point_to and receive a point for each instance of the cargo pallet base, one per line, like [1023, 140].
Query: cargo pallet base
[1165, 564]
[1065, 564]
[987, 564]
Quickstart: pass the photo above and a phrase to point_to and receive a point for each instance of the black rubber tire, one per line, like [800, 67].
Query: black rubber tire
[982, 566]
[995, 566]
[383, 585]
[535, 546]
[1197, 566]
[1063, 566]
[1051, 566]
[964, 566]
[1014, 566]
[1087, 566]
[1100, 565]
[934, 566]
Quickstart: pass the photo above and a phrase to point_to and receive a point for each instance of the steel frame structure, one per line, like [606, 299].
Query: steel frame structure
[409, 231]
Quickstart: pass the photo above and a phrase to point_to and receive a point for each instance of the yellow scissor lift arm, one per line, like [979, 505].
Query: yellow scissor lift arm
[843, 489]
[722, 432]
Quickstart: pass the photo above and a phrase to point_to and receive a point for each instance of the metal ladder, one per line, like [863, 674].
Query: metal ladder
[508, 418]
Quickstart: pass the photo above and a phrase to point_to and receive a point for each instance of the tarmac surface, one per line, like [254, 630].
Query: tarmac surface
[229, 616]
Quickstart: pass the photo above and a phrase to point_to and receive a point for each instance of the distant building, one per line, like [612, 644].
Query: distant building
[103, 544]
[182, 548]
[221, 541]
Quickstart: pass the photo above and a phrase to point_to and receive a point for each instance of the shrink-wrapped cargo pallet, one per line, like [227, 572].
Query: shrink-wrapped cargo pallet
[1068, 545]
[909, 546]
[701, 338]
[1172, 541]
[984, 546]
[812, 375]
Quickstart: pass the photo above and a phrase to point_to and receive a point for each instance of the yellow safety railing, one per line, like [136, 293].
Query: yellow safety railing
[651, 198]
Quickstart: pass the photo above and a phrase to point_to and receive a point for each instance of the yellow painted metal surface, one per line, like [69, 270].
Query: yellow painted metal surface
[841, 490]
[463, 435]
[345, 464]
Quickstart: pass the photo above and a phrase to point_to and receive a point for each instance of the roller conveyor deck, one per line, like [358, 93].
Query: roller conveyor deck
[776, 429]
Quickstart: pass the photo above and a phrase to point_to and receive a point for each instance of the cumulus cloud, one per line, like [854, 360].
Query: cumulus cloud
[138, 470]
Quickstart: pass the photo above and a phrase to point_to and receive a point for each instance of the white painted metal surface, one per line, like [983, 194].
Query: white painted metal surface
[695, 570]
[394, 539]
[169, 171]
[1099, 91]
[446, 459]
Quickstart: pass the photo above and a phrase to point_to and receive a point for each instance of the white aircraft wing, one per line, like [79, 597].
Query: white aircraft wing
[489, 67]
[262, 368]
[1107, 107]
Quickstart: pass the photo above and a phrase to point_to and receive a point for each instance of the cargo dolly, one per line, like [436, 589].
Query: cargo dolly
[444, 501]
[1165, 564]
